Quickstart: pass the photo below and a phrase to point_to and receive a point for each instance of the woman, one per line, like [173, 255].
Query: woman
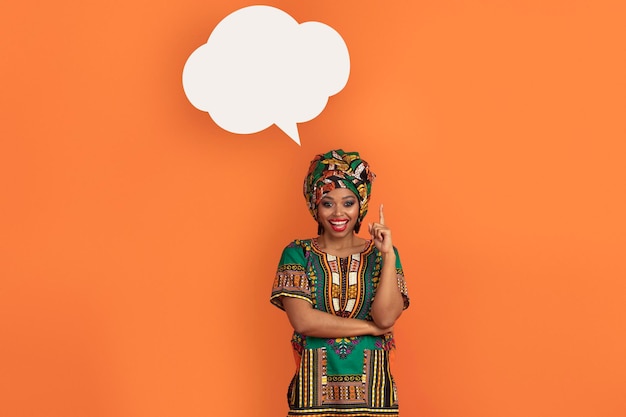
[342, 295]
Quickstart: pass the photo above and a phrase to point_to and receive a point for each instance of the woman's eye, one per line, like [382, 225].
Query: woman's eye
[327, 204]
[349, 203]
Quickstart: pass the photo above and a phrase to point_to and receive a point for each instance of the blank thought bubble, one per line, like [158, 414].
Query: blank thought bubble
[260, 67]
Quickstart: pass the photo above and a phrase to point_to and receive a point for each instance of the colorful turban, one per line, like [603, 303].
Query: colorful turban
[338, 169]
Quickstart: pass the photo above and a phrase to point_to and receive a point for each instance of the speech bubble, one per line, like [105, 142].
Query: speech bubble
[260, 67]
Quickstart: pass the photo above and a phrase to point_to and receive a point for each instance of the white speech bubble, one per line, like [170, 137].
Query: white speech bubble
[260, 67]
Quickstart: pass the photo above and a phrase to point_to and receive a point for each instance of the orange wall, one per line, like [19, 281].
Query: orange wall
[138, 241]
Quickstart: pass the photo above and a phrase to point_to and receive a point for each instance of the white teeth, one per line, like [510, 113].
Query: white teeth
[341, 223]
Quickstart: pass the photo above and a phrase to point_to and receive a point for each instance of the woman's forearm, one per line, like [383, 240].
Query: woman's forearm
[388, 302]
[311, 322]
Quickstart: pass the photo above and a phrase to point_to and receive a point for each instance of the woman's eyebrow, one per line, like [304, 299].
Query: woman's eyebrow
[332, 199]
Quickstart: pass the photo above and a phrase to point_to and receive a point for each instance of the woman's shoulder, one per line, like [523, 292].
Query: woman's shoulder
[296, 250]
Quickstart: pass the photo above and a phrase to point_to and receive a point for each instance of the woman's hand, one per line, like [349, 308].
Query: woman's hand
[379, 331]
[381, 234]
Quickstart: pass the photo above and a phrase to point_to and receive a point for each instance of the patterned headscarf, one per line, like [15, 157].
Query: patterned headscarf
[338, 169]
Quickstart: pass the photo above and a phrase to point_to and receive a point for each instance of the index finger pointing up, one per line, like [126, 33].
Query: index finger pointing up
[381, 215]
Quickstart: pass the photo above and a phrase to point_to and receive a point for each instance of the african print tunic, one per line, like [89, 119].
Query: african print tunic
[346, 376]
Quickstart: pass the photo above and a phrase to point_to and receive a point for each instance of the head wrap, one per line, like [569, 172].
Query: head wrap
[338, 169]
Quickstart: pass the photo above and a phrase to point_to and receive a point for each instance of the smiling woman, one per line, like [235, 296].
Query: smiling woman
[338, 212]
[342, 295]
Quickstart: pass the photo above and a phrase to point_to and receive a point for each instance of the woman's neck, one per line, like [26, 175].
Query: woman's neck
[341, 247]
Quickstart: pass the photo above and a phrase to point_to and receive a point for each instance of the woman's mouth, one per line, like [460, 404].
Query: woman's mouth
[338, 225]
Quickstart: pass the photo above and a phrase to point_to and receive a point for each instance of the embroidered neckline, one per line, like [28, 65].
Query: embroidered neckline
[368, 245]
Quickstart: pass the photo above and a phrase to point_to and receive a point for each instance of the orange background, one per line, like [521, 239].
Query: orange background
[138, 241]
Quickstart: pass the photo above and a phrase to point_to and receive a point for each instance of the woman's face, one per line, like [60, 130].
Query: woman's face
[338, 212]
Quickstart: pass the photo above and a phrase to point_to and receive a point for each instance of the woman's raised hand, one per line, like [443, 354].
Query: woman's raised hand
[381, 234]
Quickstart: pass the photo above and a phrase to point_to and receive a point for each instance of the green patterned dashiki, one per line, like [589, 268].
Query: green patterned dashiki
[347, 376]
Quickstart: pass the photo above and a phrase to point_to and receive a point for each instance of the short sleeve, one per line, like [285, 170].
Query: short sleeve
[291, 279]
[401, 280]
